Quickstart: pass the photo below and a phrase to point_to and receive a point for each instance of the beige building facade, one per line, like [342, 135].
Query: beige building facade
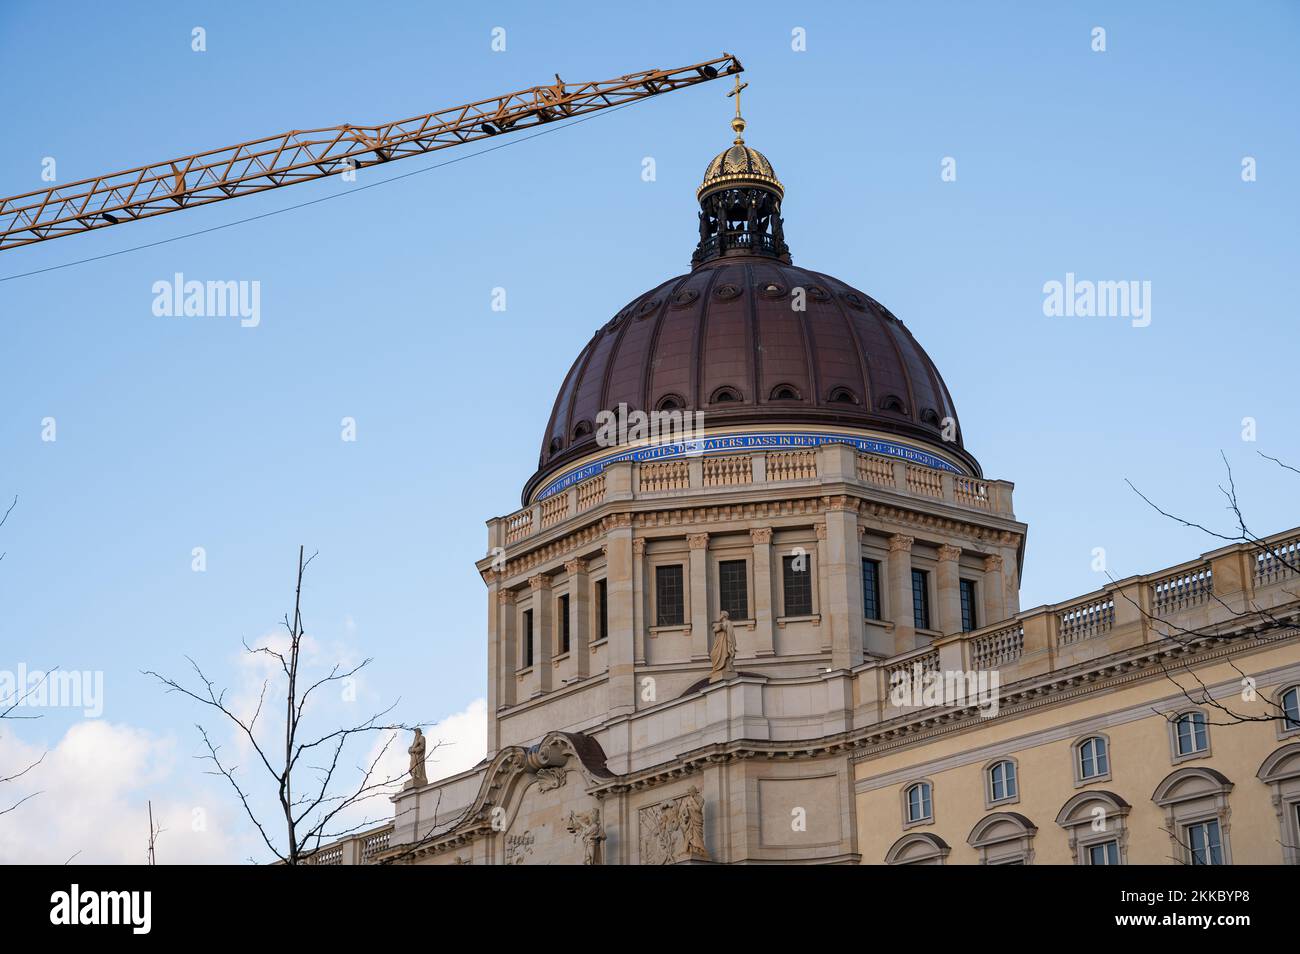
[889, 701]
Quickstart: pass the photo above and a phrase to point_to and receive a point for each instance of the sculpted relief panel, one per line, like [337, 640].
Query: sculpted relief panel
[673, 830]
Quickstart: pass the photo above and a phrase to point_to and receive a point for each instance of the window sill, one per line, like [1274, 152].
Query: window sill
[814, 618]
[1001, 802]
[1090, 780]
[676, 628]
[522, 673]
[597, 643]
[1190, 756]
[560, 657]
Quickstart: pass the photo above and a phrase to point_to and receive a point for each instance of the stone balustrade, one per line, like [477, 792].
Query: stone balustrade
[359, 849]
[752, 470]
[1170, 604]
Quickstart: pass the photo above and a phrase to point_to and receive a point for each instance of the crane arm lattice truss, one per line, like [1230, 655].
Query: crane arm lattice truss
[303, 155]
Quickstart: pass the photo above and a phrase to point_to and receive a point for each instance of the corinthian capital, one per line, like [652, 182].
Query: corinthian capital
[901, 542]
[540, 582]
[761, 535]
[947, 552]
[697, 541]
[993, 562]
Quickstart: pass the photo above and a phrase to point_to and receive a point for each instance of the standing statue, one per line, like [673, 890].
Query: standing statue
[587, 826]
[418, 777]
[752, 224]
[690, 819]
[723, 651]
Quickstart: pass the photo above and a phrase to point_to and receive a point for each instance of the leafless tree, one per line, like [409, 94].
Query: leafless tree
[9, 707]
[311, 797]
[1251, 619]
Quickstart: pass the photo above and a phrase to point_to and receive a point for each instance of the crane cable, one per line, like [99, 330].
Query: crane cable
[324, 198]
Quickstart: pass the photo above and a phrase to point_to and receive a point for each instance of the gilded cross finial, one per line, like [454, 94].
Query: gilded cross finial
[738, 124]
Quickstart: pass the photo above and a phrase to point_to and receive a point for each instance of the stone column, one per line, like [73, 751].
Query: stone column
[842, 570]
[579, 616]
[620, 593]
[823, 587]
[699, 584]
[949, 590]
[900, 592]
[543, 635]
[995, 609]
[502, 660]
[638, 601]
[764, 644]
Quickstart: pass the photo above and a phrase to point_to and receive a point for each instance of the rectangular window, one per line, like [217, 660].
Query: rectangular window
[669, 606]
[968, 620]
[526, 639]
[871, 589]
[1203, 843]
[564, 624]
[602, 608]
[1107, 853]
[733, 589]
[921, 599]
[797, 581]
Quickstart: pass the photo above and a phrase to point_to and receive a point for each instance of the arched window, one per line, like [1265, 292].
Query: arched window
[1003, 786]
[556, 443]
[670, 402]
[930, 416]
[1281, 773]
[725, 395]
[1096, 822]
[1191, 737]
[892, 402]
[581, 430]
[918, 848]
[1004, 838]
[785, 392]
[1291, 710]
[1195, 800]
[843, 396]
[1092, 759]
[918, 805]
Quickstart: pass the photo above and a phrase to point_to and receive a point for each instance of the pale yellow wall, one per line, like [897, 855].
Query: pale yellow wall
[1140, 758]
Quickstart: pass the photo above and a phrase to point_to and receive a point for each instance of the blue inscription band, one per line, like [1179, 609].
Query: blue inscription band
[726, 443]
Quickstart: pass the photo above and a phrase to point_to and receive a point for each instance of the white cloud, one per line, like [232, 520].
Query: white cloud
[95, 785]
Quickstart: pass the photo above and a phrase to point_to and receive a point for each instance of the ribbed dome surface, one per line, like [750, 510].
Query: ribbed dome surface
[739, 164]
[725, 339]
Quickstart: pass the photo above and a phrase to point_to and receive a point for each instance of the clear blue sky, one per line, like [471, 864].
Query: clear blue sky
[177, 433]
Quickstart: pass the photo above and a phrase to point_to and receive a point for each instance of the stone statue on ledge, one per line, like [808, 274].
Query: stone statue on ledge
[587, 826]
[690, 819]
[723, 651]
[418, 777]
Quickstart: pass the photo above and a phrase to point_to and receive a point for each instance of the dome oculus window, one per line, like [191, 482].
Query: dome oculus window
[892, 402]
[725, 395]
[556, 443]
[842, 396]
[581, 430]
[786, 392]
[930, 416]
[670, 402]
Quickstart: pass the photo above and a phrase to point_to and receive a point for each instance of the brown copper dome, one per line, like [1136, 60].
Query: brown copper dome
[729, 339]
